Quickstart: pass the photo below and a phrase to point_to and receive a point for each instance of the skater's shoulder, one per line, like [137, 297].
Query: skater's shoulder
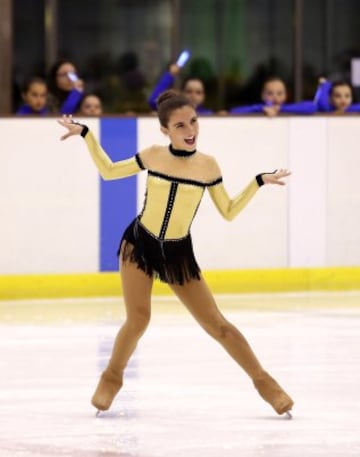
[210, 164]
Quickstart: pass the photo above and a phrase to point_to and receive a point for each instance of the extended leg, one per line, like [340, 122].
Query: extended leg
[137, 296]
[197, 297]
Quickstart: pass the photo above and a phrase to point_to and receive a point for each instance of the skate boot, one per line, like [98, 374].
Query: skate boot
[109, 385]
[271, 392]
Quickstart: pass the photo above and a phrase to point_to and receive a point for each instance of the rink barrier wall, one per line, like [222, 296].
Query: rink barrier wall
[59, 217]
[15, 287]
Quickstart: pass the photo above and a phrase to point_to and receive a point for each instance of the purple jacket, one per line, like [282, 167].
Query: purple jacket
[307, 107]
[166, 81]
[26, 109]
[322, 100]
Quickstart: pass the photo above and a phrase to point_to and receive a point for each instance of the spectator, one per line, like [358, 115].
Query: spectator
[66, 89]
[34, 94]
[90, 105]
[273, 101]
[193, 88]
[335, 97]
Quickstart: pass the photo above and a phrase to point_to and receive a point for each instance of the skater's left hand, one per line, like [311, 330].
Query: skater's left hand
[276, 177]
[72, 127]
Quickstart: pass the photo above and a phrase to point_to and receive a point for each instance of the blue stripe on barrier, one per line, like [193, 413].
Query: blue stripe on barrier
[117, 198]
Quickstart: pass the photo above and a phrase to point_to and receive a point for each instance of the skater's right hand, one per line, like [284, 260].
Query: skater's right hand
[72, 127]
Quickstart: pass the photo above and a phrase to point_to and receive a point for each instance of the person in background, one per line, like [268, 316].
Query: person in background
[193, 88]
[34, 94]
[336, 97]
[273, 101]
[66, 89]
[90, 105]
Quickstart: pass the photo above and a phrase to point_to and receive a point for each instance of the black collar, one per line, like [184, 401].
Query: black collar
[181, 152]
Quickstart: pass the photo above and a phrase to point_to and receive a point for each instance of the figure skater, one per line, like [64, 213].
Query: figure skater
[158, 242]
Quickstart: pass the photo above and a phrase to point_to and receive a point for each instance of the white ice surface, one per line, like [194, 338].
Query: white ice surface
[183, 395]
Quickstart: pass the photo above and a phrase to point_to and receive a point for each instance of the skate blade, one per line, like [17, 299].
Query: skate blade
[98, 412]
[288, 415]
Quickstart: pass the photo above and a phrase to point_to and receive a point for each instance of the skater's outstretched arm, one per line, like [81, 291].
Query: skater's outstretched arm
[230, 208]
[107, 168]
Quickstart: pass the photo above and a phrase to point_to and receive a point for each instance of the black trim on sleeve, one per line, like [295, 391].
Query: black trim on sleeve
[259, 180]
[84, 130]
[139, 161]
[259, 177]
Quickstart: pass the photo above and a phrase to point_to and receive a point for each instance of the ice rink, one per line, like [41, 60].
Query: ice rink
[183, 396]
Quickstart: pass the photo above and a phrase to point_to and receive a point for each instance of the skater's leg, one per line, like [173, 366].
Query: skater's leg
[137, 297]
[197, 297]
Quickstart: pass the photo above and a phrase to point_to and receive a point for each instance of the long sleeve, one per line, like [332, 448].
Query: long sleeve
[166, 81]
[354, 108]
[306, 107]
[26, 109]
[201, 110]
[72, 102]
[321, 98]
[227, 207]
[108, 169]
[247, 109]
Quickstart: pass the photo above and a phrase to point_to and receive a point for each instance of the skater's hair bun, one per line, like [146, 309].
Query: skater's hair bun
[169, 101]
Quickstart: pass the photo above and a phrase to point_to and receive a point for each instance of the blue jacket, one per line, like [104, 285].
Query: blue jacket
[307, 107]
[26, 109]
[167, 80]
[72, 102]
[322, 100]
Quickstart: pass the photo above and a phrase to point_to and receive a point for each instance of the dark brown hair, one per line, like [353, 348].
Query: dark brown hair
[339, 83]
[29, 82]
[169, 101]
[272, 79]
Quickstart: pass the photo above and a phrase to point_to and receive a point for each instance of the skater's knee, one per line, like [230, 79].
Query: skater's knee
[138, 320]
[220, 329]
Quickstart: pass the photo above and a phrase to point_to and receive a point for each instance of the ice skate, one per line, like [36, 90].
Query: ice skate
[109, 385]
[271, 392]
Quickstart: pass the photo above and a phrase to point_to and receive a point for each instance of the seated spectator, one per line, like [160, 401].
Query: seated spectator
[34, 95]
[66, 89]
[273, 101]
[192, 88]
[90, 105]
[335, 97]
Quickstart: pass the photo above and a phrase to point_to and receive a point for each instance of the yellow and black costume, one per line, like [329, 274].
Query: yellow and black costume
[158, 242]
[159, 239]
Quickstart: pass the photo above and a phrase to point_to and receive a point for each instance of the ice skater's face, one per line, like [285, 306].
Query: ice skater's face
[194, 90]
[274, 92]
[341, 97]
[36, 96]
[183, 128]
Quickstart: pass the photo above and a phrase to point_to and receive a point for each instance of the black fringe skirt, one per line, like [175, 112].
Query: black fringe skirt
[171, 261]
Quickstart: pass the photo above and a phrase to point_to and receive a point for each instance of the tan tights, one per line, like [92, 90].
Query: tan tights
[197, 298]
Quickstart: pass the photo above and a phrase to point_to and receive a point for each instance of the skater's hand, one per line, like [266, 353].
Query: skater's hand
[72, 127]
[276, 177]
[272, 110]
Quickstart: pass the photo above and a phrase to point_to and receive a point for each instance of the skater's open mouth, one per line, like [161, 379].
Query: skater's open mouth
[190, 141]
